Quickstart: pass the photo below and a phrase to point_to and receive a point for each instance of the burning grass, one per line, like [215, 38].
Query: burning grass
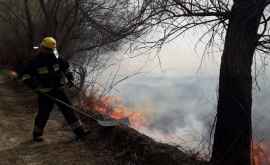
[260, 153]
[112, 107]
[128, 144]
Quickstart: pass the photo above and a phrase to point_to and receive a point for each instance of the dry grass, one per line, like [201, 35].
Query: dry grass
[131, 147]
[104, 146]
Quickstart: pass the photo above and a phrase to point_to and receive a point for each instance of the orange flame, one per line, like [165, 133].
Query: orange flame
[261, 153]
[114, 107]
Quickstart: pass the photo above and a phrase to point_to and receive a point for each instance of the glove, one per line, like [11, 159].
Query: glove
[12, 75]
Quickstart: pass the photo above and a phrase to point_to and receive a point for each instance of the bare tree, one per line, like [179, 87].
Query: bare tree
[24, 23]
[85, 30]
[79, 26]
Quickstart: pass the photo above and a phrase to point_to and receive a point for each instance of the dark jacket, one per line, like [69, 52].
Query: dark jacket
[46, 71]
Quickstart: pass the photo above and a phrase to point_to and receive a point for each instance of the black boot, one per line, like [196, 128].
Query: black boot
[37, 137]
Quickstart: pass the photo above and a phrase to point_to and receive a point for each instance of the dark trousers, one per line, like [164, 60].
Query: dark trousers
[45, 107]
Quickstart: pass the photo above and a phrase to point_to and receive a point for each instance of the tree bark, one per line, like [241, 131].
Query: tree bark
[232, 138]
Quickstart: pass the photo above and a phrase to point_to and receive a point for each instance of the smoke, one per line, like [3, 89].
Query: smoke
[185, 106]
[180, 106]
[261, 109]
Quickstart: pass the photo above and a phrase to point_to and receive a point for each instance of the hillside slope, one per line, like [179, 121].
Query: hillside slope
[104, 146]
[16, 147]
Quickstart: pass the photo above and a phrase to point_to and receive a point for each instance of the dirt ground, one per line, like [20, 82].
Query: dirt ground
[118, 145]
[17, 148]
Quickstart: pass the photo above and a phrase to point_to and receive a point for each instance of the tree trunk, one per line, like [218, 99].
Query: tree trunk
[232, 138]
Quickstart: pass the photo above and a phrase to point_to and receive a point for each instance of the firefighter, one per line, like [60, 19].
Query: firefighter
[45, 74]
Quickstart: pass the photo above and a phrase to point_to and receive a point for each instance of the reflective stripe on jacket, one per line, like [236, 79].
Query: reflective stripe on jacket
[45, 71]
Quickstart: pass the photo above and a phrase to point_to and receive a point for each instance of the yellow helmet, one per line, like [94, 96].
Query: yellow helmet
[48, 42]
